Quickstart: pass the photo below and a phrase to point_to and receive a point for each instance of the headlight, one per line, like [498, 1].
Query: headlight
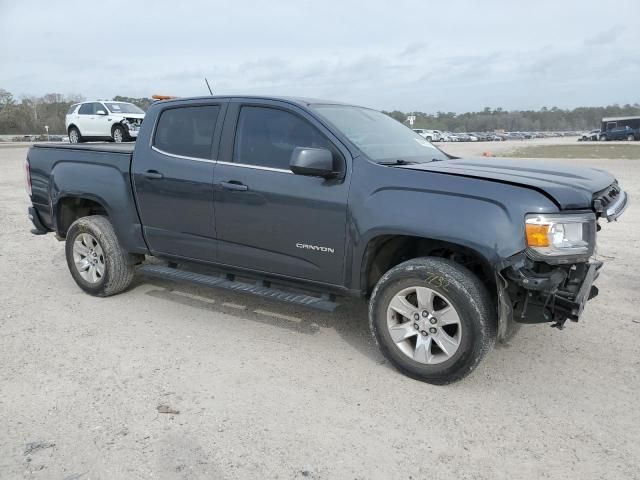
[560, 238]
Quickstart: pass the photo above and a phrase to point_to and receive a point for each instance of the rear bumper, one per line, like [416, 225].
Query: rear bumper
[39, 229]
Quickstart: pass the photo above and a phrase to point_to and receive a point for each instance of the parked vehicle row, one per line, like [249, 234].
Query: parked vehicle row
[444, 136]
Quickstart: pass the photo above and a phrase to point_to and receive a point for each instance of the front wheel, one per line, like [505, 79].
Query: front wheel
[603, 138]
[95, 258]
[432, 319]
[118, 134]
[630, 137]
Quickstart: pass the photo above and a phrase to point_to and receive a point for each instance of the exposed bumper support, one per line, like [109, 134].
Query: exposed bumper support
[531, 293]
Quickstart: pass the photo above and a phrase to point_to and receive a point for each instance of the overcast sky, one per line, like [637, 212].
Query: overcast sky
[448, 55]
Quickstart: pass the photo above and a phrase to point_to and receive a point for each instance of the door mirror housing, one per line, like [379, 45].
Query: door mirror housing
[313, 162]
[100, 112]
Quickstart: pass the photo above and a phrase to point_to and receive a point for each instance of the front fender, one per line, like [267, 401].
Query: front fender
[484, 216]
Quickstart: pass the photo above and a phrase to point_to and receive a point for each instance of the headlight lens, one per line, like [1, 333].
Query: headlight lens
[560, 236]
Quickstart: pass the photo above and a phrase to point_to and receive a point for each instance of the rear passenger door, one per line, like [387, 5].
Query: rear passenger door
[173, 179]
[267, 218]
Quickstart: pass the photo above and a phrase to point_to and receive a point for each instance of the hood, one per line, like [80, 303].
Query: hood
[572, 187]
[128, 115]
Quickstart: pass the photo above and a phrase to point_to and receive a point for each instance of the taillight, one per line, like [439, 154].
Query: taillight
[27, 171]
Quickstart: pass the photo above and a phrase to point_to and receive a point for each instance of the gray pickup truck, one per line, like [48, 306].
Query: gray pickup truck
[305, 201]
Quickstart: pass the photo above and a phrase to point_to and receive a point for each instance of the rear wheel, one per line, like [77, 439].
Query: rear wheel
[432, 319]
[630, 137]
[74, 135]
[603, 138]
[95, 258]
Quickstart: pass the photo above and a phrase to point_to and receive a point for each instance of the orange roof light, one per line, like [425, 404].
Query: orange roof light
[162, 97]
[538, 234]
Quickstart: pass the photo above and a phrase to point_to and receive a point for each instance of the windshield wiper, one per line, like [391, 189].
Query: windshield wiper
[399, 161]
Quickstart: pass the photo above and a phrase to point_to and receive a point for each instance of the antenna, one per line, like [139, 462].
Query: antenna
[208, 86]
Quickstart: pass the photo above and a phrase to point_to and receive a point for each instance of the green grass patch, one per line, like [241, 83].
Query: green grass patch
[586, 150]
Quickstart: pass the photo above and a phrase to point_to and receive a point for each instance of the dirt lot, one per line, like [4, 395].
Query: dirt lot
[265, 390]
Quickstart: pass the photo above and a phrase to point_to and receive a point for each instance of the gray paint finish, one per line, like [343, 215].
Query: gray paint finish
[189, 213]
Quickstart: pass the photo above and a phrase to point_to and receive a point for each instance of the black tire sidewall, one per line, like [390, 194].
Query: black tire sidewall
[468, 297]
[124, 133]
[75, 129]
[83, 226]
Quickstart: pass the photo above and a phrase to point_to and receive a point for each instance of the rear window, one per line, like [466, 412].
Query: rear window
[187, 131]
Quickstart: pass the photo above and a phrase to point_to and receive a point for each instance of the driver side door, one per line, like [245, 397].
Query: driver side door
[269, 219]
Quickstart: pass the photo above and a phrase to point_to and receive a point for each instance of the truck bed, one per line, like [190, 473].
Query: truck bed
[103, 147]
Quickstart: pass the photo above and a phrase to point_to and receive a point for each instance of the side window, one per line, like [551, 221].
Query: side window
[72, 108]
[267, 137]
[187, 131]
[86, 109]
[97, 107]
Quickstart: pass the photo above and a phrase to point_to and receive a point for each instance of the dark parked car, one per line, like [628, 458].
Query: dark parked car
[620, 133]
[331, 200]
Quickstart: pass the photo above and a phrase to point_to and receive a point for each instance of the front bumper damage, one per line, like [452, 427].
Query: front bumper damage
[536, 292]
[533, 291]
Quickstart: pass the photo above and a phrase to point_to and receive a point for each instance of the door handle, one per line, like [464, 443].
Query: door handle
[153, 174]
[234, 185]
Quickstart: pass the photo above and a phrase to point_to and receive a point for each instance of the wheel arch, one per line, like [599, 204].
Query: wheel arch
[118, 124]
[69, 208]
[385, 251]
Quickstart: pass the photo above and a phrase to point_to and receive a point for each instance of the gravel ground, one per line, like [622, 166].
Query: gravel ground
[255, 389]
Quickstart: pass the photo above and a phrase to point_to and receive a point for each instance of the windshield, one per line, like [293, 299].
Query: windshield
[378, 136]
[121, 107]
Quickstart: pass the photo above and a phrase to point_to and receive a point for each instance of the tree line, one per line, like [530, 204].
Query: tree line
[30, 114]
[493, 119]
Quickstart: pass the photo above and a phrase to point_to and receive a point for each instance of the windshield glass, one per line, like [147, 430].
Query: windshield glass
[121, 107]
[378, 136]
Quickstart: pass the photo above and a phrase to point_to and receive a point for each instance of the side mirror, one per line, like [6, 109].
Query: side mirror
[101, 112]
[314, 162]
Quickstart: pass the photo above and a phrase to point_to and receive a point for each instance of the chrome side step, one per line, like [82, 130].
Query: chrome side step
[260, 288]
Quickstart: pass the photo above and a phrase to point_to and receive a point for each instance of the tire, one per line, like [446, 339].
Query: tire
[603, 138]
[630, 138]
[450, 285]
[118, 134]
[74, 135]
[114, 268]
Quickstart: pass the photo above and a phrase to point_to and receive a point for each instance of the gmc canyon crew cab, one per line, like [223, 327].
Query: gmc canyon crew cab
[305, 201]
[104, 120]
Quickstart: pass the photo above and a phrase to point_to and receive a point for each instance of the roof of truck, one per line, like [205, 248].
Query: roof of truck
[296, 100]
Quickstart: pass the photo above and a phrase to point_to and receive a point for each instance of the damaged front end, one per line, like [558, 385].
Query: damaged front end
[552, 279]
[537, 292]
[132, 125]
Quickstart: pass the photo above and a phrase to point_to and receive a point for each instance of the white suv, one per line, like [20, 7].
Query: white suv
[103, 120]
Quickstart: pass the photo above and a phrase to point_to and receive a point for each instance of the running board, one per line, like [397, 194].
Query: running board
[261, 288]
